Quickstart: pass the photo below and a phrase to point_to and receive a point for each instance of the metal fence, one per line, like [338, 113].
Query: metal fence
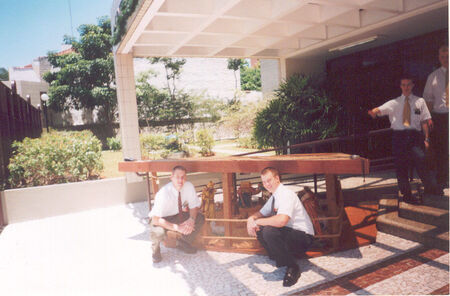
[18, 119]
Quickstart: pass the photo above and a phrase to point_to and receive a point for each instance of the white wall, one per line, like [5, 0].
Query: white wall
[53, 200]
[199, 75]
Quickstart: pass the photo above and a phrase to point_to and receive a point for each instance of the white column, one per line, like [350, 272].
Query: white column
[127, 105]
[283, 70]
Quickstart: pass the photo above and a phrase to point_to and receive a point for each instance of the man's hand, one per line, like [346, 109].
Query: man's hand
[430, 124]
[427, 144]
[187, 226]
[372, 114]
[252, 227]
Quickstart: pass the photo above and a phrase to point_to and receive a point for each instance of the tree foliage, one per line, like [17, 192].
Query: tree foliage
[235, 64]
[251, 78]
[158, 105]
[4, 74]
[85, 78]
[300, 112]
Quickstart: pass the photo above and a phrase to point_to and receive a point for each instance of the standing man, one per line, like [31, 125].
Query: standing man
[409, 116]
[436, 96]
[282, 226]
[170, 212]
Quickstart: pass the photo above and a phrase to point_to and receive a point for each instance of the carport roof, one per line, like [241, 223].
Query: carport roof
[273, 28]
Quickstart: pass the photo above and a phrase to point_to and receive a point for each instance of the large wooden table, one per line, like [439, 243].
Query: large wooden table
[328, 164]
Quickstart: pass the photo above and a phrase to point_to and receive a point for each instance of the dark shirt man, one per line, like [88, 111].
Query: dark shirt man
[409, 116]
[170, 213]
[282, 226]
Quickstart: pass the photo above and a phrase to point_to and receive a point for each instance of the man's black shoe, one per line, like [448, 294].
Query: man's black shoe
[156, 257]
[185, 247]
[291, 277]
[411, 200]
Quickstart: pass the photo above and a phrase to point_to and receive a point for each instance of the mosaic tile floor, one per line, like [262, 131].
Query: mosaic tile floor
[107, 252]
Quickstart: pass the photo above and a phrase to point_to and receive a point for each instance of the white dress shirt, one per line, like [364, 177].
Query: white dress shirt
[394, 108]
[166, 200]
[435, 90]
[288, 203]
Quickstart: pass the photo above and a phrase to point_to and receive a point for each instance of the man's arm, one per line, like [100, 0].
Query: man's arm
[426, 132]
[279, 220]
[189, 225]
[252, 227]
[158, 221]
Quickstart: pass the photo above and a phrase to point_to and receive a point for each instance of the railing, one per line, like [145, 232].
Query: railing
[18, 119]
[375, 145]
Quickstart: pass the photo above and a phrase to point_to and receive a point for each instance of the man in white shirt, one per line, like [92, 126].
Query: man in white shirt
[176, 208]
[282, 226]
[409, 116]
[436, 96]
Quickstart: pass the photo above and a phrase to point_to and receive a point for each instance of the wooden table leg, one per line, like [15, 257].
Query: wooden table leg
[227, 186]
[155, 187]
[332, 186]
[149, 193]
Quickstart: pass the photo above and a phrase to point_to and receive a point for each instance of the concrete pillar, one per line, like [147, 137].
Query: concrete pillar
[270, 76]
[282, 69]
[127, 105]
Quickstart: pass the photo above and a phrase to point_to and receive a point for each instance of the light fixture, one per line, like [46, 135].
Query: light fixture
[353, 44]
[44, 97]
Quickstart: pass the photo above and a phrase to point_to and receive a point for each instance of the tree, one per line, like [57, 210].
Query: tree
[235, 64]
[4, 74]
[250, 78]
[85, 77]
[300, 112]
[173, 69]
[168, 104]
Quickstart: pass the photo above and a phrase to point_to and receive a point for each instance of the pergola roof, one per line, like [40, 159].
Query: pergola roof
[273, 28]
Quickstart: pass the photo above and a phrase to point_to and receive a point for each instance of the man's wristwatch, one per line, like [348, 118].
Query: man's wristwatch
[427, 140]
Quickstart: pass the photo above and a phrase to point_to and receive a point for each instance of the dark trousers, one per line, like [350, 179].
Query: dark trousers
[439, 143]
[408, 151]
[158, 233]
[281, 243]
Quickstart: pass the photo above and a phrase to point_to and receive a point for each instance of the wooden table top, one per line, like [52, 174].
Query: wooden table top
[317, 163]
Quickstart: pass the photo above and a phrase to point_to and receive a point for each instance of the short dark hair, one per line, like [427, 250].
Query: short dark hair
[275, 172]
[443, 47]
[406, 77]
[179, 167]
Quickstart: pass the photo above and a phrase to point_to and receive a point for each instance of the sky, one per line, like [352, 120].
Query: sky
[31, 28]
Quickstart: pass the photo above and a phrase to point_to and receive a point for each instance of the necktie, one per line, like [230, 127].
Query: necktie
[446, 88]
[179, 207]
[406, 113]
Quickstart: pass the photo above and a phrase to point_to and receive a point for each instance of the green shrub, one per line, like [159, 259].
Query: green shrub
[206, 141]
[58, 157]
[114, 143]
[300, 112]
[160, 145]
[247, 142]
[151, 142]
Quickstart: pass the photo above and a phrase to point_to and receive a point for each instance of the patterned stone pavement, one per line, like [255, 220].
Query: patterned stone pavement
[107, 252]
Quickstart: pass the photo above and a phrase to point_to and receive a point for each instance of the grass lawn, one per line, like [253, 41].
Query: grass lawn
[110, 164]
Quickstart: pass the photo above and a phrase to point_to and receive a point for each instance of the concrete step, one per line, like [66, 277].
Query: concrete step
[388, 221]
[434, 211]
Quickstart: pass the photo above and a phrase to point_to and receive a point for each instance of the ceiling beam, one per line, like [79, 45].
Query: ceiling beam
[228, 5]
[264, 24]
